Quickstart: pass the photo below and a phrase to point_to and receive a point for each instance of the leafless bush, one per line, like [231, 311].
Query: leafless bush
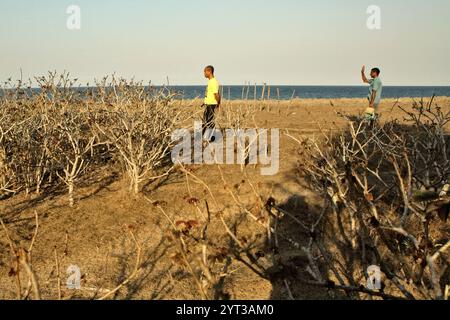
[21, 259]
[7, 173]
[73, 146]
[209, 260]
[53, 135]
[386, 203]
[236, 116]
[140, 127]
[32, 151]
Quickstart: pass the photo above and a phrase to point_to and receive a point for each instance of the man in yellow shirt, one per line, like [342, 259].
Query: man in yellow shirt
[212, 101]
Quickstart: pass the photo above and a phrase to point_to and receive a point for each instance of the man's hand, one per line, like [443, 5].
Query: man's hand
[218, 99]
[363, 74]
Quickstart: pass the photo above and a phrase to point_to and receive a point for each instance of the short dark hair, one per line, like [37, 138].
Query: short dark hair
[377, 71]
[210, 68]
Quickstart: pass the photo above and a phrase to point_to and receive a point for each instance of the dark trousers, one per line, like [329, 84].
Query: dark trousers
[208, 118]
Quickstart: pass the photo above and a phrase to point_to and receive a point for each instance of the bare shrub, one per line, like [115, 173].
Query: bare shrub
[32, 151]
[73, 146]
[7, 173]
[21, 259]
[386, 203]
[58, 132]
[140, 128]
[209, 259]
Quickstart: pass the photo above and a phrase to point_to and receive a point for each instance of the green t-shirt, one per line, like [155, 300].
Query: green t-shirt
[375, 85]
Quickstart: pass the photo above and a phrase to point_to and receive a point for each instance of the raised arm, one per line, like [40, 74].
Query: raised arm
[363, 75]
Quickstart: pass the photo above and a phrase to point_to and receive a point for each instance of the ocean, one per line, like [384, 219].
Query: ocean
[312, 92]
[236, 92]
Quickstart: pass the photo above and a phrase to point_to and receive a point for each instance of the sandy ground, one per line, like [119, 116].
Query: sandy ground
[94, 234]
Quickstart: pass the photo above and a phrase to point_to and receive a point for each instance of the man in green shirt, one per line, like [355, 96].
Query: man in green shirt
[375, 91]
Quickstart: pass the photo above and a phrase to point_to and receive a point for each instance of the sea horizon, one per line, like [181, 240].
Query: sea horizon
[288, 92]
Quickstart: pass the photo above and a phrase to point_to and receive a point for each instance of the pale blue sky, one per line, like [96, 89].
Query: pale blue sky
[279, 42]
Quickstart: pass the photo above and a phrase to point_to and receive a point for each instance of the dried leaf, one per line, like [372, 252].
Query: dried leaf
[369, 197]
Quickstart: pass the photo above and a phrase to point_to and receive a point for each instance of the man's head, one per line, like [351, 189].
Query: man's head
[209, 72]
[375, 72]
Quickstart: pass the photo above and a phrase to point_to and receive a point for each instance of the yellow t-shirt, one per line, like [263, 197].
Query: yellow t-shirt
[211, 90]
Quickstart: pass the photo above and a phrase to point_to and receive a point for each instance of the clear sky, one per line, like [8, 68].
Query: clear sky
[305, 42]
